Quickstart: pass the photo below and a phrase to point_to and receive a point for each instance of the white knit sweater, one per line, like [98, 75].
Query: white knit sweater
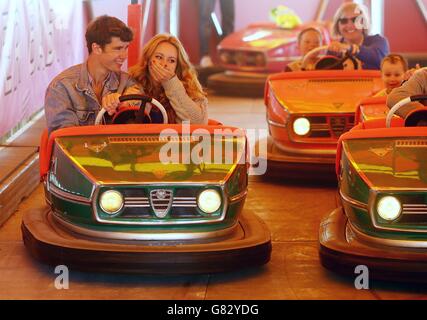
[195, 111]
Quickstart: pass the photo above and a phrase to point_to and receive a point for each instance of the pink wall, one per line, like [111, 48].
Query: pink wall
[116, 8]
[405, 26]
[38, 40]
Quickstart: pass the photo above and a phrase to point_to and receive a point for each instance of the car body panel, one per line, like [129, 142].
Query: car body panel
[372, 108]
[323, 92]
[135, 159]
[390, 163]
[328, 99]
[128, 159]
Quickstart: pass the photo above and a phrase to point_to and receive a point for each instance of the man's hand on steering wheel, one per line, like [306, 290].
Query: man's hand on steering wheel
[129, 112]
[111, 102]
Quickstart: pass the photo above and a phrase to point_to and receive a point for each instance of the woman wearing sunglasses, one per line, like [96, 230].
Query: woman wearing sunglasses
[351, 26]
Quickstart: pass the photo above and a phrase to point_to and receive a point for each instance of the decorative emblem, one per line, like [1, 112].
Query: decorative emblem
[338, 105]
[161, 202]
[338, 125]
[159, 173]
[97, 148]
[161, 194]
[381, 152]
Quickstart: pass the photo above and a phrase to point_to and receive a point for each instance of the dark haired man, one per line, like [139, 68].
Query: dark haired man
[75, 96]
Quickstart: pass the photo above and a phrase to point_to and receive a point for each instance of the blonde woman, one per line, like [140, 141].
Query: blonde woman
[165, 73]
[351, 27]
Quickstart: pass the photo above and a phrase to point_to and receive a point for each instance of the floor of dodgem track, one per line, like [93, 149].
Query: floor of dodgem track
[291, 209]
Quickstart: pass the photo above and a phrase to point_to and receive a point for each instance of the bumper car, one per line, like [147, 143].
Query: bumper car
[250, 55]
[308, 111]
[382, 218]
[145, 198]
[371, 108]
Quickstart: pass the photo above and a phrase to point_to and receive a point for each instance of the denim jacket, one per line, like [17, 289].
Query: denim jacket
[71, 101]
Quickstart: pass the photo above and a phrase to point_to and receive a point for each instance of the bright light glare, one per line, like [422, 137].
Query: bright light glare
[389, 208]
[301, 126]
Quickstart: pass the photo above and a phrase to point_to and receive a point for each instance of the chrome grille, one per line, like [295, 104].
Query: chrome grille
[242, 58]
[184, 202]
[137, 202]
[414, 209]
[414, 212]
[338, 125]
[142, 203]
[330, 126]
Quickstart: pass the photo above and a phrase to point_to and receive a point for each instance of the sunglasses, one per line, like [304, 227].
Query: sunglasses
[344, 21]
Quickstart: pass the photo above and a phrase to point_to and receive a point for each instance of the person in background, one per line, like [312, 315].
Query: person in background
[393, 71]
[165, 73]
[75, 96]
[206, 7]
[308, 39]
[351, 26]
[416, 85]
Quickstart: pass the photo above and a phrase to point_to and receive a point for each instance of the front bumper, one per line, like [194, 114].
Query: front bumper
[238, 84]
[51, 243]
[287, 164]
[342, 251]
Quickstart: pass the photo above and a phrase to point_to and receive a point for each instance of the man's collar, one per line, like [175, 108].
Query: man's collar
[85, 80]
[83, 83]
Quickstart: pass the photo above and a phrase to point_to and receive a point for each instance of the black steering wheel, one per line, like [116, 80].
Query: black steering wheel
[133, 114]
[330, 62]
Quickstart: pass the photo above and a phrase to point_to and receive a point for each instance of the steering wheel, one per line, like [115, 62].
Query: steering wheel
[137, 113]
[329, 62]
[414, 117]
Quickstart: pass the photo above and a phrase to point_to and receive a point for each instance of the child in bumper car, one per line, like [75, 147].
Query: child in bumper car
[394, 69]
[308, 39]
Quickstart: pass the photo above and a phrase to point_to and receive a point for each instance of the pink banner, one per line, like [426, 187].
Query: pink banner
[38, 39]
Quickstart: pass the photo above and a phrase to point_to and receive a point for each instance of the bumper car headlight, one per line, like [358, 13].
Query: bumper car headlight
[389, 208]
[301, 126]
[209, 201]
[111, 201]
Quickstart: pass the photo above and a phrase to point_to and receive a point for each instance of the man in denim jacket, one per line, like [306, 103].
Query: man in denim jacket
[76, 95]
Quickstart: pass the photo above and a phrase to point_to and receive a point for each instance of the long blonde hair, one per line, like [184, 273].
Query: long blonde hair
[184, 70]
[355, 8]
